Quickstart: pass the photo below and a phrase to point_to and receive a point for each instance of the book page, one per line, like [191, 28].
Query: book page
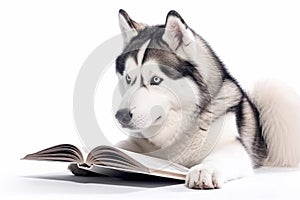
[141, 161]
[154, 163]
[62, 152]
[102, 154]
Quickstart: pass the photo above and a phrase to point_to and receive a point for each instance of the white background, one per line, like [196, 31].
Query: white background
[44, 43]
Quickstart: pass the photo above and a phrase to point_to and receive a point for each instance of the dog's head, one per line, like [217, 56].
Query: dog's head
[159, 76]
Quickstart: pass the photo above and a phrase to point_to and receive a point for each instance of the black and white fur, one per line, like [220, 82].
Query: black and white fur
[260, 129]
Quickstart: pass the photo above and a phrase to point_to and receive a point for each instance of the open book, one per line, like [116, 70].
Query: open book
[111, 161]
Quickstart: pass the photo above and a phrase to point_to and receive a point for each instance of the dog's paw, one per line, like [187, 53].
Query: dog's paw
[203, 177]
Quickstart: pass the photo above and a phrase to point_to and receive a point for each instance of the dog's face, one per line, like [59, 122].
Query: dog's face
[158, 83]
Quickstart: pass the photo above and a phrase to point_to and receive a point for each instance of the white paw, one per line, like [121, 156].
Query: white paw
[203, 177]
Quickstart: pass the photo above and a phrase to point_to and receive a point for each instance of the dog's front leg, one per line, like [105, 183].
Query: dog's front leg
[225, 163]
[138, 145]
[130, 144]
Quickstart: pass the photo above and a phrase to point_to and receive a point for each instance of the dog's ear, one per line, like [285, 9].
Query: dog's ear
[176, 31]
[129, 28]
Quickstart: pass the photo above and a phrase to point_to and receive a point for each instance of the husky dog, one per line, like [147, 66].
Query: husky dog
[177, 93]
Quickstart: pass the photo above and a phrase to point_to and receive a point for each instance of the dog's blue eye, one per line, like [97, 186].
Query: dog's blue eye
[128, 79]
[155, 80]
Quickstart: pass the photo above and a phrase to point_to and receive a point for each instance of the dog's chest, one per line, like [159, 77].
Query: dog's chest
[185, 151]
[190, 149]
[190, 153]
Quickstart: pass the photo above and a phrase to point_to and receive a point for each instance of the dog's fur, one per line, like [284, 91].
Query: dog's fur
[177, 94]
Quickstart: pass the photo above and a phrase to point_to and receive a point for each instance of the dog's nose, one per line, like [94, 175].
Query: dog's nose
[123, 116]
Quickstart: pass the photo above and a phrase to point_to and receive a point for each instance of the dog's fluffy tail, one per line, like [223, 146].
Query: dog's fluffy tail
[279, 109]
